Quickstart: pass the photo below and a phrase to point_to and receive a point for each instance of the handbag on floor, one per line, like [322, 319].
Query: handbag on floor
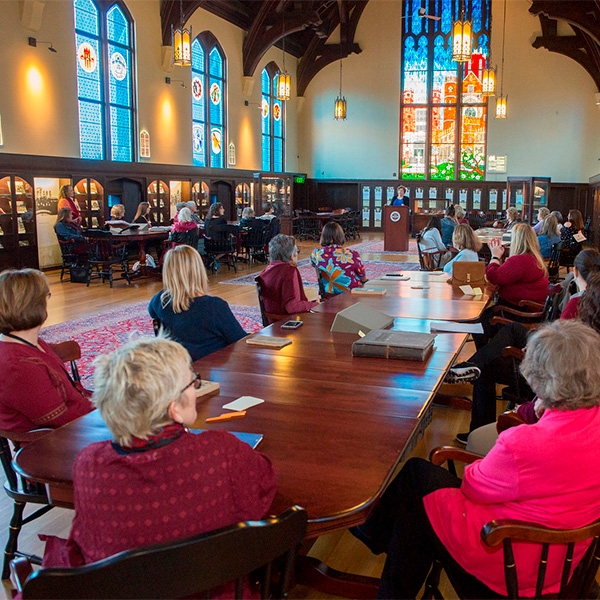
[79, 273]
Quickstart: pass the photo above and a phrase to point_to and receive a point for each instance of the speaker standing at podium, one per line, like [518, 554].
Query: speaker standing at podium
[400, 198]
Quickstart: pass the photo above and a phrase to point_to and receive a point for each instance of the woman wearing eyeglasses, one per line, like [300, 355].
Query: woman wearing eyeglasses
[201, 323]
[156, 481]
[36, 389]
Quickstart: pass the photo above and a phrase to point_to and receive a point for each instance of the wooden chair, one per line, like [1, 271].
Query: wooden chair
[429, 261]
[579, 584]
[255, 240]
[106, 252]
[69, 352]
[554, 262]
[262, 551]
[309, 226]
[22, 492]
[69, 258]
[323, 280]
[221, 246]
[267, 317]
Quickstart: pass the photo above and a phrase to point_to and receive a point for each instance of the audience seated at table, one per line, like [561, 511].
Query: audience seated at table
[283, 292]
[194, 210]
[65, 200]
[343, 266]
[487, 367]
[185, 229]
[467, 244]
[201, 323]
[68, 230]
[542, 213]
[36, 389]
[142, 214]
[545, 473]
[156, 481]
[522, 276]
[215, 216]
[548, 235]
[178, 207]
[116, 221]
[448, 224]
[573, 226]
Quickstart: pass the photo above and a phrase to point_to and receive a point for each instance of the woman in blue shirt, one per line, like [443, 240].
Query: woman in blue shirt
[468, 245]
[548, 235]
[449, 222]
[200, 323]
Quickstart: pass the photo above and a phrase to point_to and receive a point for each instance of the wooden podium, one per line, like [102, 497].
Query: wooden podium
[395, 228]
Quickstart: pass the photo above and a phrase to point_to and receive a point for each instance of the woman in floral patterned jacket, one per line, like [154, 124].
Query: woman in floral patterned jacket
[341, 267]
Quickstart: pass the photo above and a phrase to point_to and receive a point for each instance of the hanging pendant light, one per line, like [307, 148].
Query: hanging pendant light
[283, 85]
[181, 40]
[462, 33]
[488, 82]
[501, 104]
[339, 108]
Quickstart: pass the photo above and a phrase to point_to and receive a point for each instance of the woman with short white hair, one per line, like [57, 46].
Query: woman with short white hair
[156, 481]
[201, 323]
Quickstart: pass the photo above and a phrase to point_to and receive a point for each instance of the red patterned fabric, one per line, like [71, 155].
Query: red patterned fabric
[343, 267]
[195, 483]
[36, 390]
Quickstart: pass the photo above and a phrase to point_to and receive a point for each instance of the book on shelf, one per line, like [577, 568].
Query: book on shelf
[405, 345]
[268, 341]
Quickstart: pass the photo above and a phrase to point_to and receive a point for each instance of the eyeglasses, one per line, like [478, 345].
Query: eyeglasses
[196, 382]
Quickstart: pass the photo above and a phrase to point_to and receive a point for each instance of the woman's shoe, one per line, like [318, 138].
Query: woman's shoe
[463, 373]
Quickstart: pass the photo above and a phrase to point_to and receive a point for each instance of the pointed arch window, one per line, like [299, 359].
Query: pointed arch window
[105, 63]
[273, 122]
[443, 113]
[209, 96]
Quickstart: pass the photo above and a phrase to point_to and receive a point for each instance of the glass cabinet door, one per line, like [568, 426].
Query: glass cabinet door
[158, 198]
[201, 196]
[89, 196]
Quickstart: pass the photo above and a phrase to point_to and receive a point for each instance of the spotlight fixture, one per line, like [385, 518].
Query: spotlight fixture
[169, 81]
[33, 42]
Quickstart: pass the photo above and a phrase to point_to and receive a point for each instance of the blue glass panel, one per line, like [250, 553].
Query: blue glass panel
[216, 102]
[265, 82]
[266, 153]
[197, 57]
[86, 17]
[90, 130]
[266, 115]
[217, 147]
[416, 21]
[120, 133]
[119, 76]
[88, 83]
[277, 119]
[448, 17]
[198, 145]
[117, 26]
[476, 15]
[277, 154]
[215, 65]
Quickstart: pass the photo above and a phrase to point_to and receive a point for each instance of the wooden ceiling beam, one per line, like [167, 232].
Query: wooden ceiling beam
[584, 14]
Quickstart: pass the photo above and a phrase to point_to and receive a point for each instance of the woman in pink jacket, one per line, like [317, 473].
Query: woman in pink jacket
[545, 473]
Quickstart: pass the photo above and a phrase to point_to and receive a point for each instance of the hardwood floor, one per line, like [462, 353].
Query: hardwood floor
[70, 301]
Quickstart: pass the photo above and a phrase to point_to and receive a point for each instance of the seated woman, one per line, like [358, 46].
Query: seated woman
[542, 213]
[427, 513]
[185, 229]
[459, 213]
[512, 218]
[448, 224]
[467, 244]
[548, 235]
[573, 227]
[247, 217]
[66, 229]
[136, 489]
[36, 389]
[201, 323]
[487, 367]
[142, 214]
[283, 292]
[431, 236]
[343, 267]
[215, 216]
[116, 221]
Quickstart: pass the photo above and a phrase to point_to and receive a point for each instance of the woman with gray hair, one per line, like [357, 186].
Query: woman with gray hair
[545, 473]
[156, 481]
[281, 283]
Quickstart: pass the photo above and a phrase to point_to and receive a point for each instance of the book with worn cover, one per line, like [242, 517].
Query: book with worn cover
[383, 343]
[268, 341]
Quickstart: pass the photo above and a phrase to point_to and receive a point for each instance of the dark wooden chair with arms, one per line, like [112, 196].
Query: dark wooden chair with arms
[69, 352]
[267, 317]
[221, 246]
[266, 549]
[106, 252]
[580, 584]
[429, 261]
[22, 492]
[554, 262]
[69, 258]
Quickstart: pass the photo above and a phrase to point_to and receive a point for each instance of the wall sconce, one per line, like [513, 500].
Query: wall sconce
[169, 81]
[33, 42]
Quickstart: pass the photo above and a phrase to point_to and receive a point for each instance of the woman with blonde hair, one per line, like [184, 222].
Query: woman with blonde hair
[468, 245]
[201, 323]
[65, 200]
[543, 212]
[163, 481]
[459, 213]
[548, 235]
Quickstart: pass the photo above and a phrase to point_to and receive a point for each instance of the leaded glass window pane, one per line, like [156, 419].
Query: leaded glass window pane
[272, 125]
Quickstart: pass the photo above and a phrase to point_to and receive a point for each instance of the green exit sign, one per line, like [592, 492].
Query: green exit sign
[299, 179]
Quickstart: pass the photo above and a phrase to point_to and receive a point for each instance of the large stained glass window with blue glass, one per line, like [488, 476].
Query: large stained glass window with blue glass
[104, 46]
[209, 93]
[273, 122]
[443, 113]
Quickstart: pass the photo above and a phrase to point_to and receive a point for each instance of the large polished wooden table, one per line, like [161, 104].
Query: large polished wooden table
[141, 238]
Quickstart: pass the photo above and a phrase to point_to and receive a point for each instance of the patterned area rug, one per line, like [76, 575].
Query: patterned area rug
[106, 331]
[376, 247]
[374, 269]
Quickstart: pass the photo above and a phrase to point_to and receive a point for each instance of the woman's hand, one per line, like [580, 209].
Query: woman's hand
[539, 408]
[496, 247]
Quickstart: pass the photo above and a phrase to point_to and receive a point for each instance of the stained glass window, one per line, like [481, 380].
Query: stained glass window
[442, 110]
[273, 122]
[103, 41]
[209, 131]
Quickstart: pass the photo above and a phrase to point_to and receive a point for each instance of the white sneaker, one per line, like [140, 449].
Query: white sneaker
[136, 266]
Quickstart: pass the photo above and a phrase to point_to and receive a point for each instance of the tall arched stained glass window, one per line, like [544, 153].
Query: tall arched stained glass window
[273, 122]
[443, 113]
[104, 45]
[209, 130]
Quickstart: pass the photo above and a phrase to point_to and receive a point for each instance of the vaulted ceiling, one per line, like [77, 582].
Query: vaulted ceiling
[304, 27]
